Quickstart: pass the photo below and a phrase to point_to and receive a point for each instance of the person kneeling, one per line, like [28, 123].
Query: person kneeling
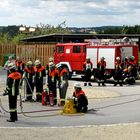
[80, 99]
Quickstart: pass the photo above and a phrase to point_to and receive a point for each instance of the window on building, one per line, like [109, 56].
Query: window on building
[76, 49]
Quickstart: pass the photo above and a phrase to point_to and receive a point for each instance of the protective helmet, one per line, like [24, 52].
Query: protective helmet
[58, 65]
[132, 57]
[50, 59]
[11, 66]
[51, 64]
[77, 85]
[29, 63]
[102, 58]
[118, 58]
[87, 57]
[10, 57]
[37, 62]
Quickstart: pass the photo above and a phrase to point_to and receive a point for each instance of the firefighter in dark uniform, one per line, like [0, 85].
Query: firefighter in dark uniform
[101, 66]
[12, 90]
[52, 81]
[63, 82]
[20, 65]
[29, 75]
[80, 99]
[118, 79]
[128, 74]
[40, 73]
[133, 65]
[87, 66]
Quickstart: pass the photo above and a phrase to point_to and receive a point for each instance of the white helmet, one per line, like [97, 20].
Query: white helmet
[118, 58]
[37, 62]
[77, 85]
[50, 59]
[87, 57]
[58, 65]
[11, 66]
[29, 63]
[51, 64]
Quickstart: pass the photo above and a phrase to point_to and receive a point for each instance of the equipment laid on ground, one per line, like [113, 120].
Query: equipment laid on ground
[69, 107]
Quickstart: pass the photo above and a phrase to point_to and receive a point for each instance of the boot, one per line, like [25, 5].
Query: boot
[85, 84]
[89, 84]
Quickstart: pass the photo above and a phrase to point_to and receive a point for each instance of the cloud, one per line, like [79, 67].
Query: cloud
[75, 12]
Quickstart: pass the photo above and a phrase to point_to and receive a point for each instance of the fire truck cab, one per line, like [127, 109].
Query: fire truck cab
[73, 55]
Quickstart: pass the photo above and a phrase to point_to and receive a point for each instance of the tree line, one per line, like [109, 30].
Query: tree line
[11, 34]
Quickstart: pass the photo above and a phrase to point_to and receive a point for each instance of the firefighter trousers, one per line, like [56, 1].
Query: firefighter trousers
[39, 90]
[13, 107]
[29, 89]
[62, 92]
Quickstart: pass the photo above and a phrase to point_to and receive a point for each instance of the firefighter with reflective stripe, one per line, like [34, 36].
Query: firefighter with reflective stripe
[118, 79]
[40, 73]
[129, 79]
[101, 66]
[87, 66]
[133, 65]
[12, 89]
[63, 82]
[81, 101]
[20, 65]
[29, 75]
[52, 81]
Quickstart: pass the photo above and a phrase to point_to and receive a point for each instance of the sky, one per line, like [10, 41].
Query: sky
[76, 13]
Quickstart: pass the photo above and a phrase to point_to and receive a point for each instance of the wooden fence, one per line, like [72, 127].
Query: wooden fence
[28, 52]
[35, 51]
[5, 50]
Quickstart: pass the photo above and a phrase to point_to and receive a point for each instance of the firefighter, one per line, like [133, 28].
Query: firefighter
[40, 73]
[20, 65]
[50, 60]
[81, 101]
[87, 66]
[12, 90]
[118, 79]
[63, 82]
[133, 65]
[128, 74]
[52, 81]
[29, 75]
[101, 66]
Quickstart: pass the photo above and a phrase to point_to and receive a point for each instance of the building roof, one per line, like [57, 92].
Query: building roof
[75, 37]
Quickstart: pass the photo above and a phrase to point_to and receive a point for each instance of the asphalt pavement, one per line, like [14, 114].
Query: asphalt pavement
[121, 109]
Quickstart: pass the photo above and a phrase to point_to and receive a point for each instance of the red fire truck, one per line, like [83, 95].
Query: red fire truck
[73, 55]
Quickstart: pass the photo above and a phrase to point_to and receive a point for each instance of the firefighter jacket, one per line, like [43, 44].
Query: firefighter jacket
[39, 73]
[20, 66]
[118, 70]
[88, 65]
[63, 75]
[13, 83]
[29, 73]
[101, 65]
[81, 97]
[52, 78]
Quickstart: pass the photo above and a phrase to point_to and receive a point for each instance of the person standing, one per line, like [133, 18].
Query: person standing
[29, 75]
[87, 66]
[101, 66]
[52, 81]
[40, 73]
[20, 65]
[63, 82]
[12, 90]
[118, 78]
